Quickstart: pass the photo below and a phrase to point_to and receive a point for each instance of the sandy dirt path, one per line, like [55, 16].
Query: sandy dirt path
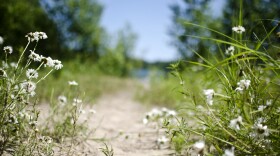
[118, 122]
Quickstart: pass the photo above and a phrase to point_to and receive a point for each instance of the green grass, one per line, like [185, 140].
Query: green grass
[92, 82]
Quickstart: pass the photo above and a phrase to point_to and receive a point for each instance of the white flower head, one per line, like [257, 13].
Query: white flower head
[35, 57]
[199, 147]
[57, 64]
[31, 73]
[162, 140]
[76, 101]
[13, 65]
[1, 40]
[209, 93]
[261, 107]
[268, 102]
[229, 152]
[230, 50]
[145, 121]
[33, 36]
[42, 35]
[36, 36]
[261, 130]
[8, 50]
[28, 86]
[48, 61]
[235, 123]
[62, 99]
[72, 83]
[171, 113]
[238, 29]
[243, 84]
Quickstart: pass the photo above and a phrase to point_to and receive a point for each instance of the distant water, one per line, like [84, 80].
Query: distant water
[140, 73]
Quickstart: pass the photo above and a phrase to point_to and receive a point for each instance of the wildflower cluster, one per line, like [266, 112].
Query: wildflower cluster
[242, 116]
[69, 117]
[161, 117]
[19, 117]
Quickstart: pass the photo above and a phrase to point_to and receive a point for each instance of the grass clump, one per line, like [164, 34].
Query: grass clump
[23, 130]
[238, 112]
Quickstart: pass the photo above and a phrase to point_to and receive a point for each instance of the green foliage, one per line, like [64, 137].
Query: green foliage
[118, 60]
[19, 131]
[260, 18]
[194, 12]
[107, 151]
[20, 16]
[78, 21]
[239, 111]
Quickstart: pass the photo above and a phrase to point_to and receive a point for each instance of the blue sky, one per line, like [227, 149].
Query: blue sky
[150, 20]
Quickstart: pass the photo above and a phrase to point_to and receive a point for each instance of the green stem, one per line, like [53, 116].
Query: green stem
[44, 76]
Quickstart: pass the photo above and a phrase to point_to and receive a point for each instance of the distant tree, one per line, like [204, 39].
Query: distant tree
[118, 59]
[19, 17]
[194, 11]
[258, 17]
[79, 24]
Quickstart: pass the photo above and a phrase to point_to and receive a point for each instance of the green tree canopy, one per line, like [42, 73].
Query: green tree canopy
[79, 24]
[19, 17]
[259, 17]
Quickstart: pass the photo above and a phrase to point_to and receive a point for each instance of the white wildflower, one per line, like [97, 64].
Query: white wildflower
[199, 147]
[33, 123]
[28, 87]
[156, 112]
[72, 83]
[1, 40]
[162, 140]
[230, 50]
[33, 36]
[35, 57]
[268, 102]
[48, 61]
[229, 152]
[36, 36]
[57, 64]
[8, 50]
[145, 121]
[243, 84]
[238, 29]
[235, 123]
[171, 113]
[209, 93]
[62, 99]
[261, 131]
[261, 107]
[13, 65]
[42, 35]
[13, 119]
[76, 101]
[31, 73]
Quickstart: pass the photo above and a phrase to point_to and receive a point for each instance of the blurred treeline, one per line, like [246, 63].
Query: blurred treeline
[258, 17]
[74, 33]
